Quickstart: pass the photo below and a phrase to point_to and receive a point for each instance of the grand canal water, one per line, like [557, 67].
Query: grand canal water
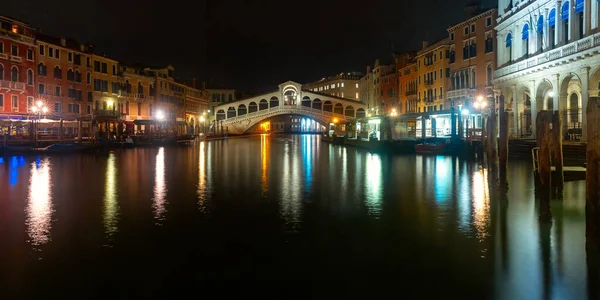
[286, 208]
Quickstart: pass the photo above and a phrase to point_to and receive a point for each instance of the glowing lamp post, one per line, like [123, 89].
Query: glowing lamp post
[38, 110]
[394, 113]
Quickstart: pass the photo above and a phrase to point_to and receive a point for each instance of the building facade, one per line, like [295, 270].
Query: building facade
[548, 59]
[472, 61]
[17, 67]
[433, 64]
[196, 109]
[343, 85]
[366, 89]
[169, 103]
[61, 77]
[137, 92]
[407, 88]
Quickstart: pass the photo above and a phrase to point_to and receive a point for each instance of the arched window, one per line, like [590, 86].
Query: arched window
[77, 76]
[14, 74]
[552, 27]
[70, 75]
[564, 16]
[508, 43]
[473, 80]
[42, 69]
[525, 38]
[88, 78]
[540, 33]
[30, 77]
[489, 75]
[140, 88]
[1, 72]
[57, 72]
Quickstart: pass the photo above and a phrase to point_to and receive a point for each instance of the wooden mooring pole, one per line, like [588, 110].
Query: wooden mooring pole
[503, 147]
[592, 175]
[558, 177]
[544, 142]
[492, 138]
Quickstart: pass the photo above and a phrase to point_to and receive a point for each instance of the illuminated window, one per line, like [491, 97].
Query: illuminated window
[342, 85]
[356, 95]
[333, 86]
[15, 28]
[357, 86]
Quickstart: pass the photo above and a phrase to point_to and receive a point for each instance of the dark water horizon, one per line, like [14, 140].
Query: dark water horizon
[247, 212]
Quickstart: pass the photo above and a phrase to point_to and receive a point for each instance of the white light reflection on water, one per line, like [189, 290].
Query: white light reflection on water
[373, 185]
[290, 188]
[160, 186]
[110, 196]
[39, 203]
[481, 204]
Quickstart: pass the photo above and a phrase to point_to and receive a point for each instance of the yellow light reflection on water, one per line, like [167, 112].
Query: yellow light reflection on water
[481, 204]
[374, 185]
[264, 153]
[202, 188]
[110, 196]
[160, 187]
[39, 203]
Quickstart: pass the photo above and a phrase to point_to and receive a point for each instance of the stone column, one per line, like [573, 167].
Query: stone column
[555, 100]
[546, 43]
[572, 28]
[585, 95]
[515, 105]
[587, 15]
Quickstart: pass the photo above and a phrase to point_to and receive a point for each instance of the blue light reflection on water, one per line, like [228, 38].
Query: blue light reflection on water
[14, 165]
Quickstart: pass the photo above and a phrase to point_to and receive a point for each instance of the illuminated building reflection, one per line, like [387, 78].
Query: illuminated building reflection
[307, 153]
[264, 151]
[110, 196]
[290, 186]
[39, 203]
[14, 165]
[160, 188]
[481, 204]
[202, 189]
[373, 185]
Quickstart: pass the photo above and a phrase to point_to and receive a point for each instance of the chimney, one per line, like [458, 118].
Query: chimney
[425, 44]
[63, 42]
[194, 82]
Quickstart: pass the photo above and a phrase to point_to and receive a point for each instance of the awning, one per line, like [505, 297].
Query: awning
[144, 122]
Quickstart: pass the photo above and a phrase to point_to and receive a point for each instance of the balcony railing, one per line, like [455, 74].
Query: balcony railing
[410, 93]
[457, 93]
[16, 58]
[12, 85]
[558, 53]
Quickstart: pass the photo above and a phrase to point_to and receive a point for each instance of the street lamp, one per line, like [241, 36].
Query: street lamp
[394, 113]
[38, 109]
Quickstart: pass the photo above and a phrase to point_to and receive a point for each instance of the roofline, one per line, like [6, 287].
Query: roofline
[470, 20]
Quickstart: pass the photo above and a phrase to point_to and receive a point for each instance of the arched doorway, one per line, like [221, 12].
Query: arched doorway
[327, 106]
[252, 107]
[231, 113]
[289, 97]
[220, 115]
[360, 113]
[306, 101]
[316, 104]
[274, 102]
[242, 110]
[263, 104]
[338, 109]
[571, 101]
[349, 111]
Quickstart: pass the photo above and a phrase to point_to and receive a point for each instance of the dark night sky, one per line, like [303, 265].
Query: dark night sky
[250, 45]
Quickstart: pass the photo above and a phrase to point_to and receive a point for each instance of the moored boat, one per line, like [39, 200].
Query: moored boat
[430, 148]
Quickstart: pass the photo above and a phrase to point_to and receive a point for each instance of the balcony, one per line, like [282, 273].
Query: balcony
[458, 93]
[16, 58]
[410, 93]
[12, 85]
[428, 82]
[3, 56]
[562, 52]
